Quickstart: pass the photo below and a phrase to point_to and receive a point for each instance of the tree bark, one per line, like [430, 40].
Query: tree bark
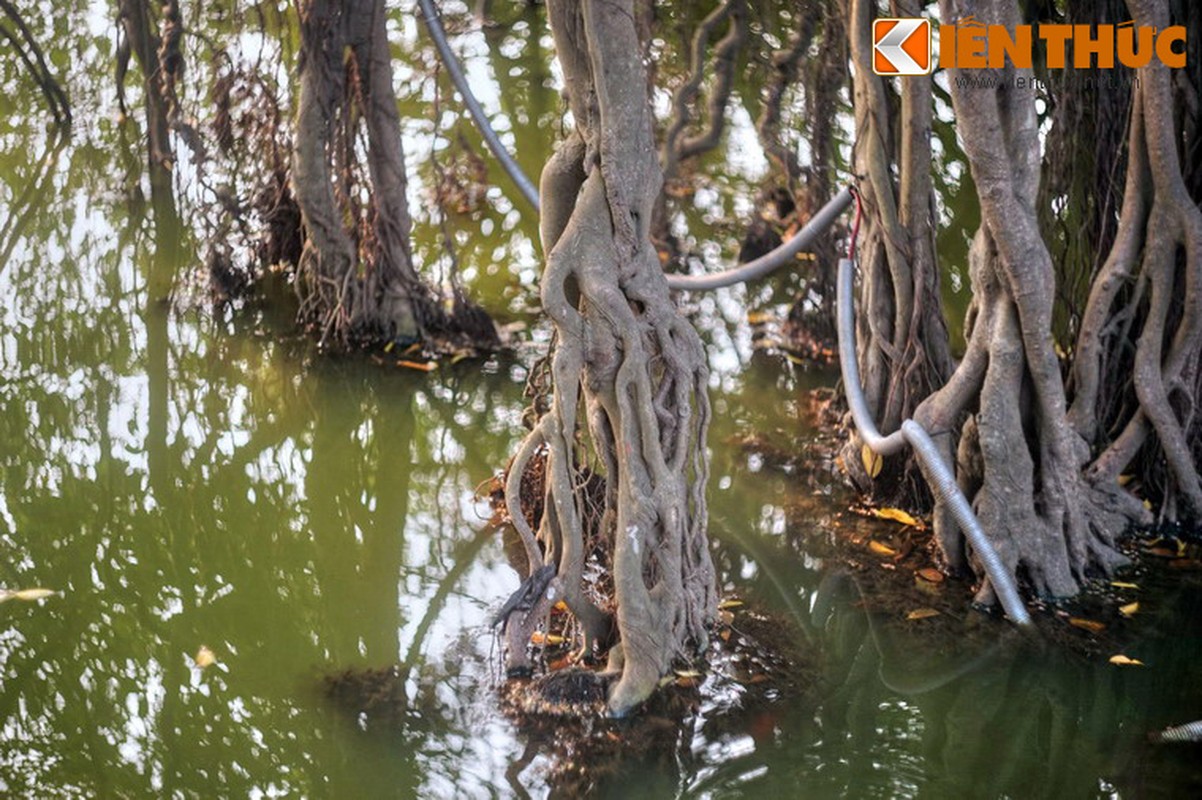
[625, 365]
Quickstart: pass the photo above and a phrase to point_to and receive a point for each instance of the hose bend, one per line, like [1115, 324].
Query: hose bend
[937, 471]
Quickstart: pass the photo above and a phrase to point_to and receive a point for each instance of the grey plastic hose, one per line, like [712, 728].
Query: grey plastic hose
[938, 473]
[772, 260]
[434, 25]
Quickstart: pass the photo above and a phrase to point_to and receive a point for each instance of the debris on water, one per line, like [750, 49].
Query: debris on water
[27, 595]
[204, 658]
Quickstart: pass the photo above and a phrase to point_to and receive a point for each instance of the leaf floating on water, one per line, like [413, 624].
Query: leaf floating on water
[1129, 609]
[204, 657]
[729, 603]
[1124, 585]
[423, 366]
[1123, 661]
[931, 575]
[1086, 624]
[881, 549]
[922, 613]
[897, 515]
[872, 461]
[28, 595]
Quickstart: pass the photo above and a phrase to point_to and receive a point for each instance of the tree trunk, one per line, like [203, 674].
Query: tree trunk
[1020, 460]
[904, 353]
[624, 362]
[356, 277]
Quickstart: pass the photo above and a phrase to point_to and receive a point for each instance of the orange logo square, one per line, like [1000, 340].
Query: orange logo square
[902, 46]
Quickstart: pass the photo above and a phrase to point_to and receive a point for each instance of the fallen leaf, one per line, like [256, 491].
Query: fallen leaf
[423, 366]
[1123, 661]
[897, 515]
[28, 595]
[931, 575]
[922, 613]
[1129, 609]
[881, 549]
[872, 461]
[1148, 504]
[1086, 624]
[540, 638]
[725, 617]
[388, 347]
[204, 657]
[724, 634]
[730, 603]
[687, 673]
[1124, 585]
[759, 317]
[1125, 479]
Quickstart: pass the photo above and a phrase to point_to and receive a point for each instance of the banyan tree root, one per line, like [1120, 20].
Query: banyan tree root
[1019, 459]
[1139, 349]
[628, 377]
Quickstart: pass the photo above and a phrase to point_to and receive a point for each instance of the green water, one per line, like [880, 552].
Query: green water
[185, 477]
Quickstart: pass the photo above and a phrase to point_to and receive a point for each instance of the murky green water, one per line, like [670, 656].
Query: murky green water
[185, 478]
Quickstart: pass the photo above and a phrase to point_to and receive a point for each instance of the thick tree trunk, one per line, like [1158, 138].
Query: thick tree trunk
[625, 363]
[356, 277]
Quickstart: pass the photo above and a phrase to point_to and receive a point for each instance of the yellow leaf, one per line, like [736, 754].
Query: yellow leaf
[687, 673]
[759, 317]
[1129, 609]
[729, 603]
[1086, 624]
[931, 575]
[872, 461]
[881, 549]
[204, 657]
[922, 613]
[1148, 504]
[424, 366]
[1123, 661]
[1125, 479]
[897, 515]
[28, 595]
[539, 638]
[388, 347]
[1124, 585]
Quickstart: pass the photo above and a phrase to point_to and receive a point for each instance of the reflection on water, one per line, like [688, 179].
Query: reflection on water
[185, 479]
